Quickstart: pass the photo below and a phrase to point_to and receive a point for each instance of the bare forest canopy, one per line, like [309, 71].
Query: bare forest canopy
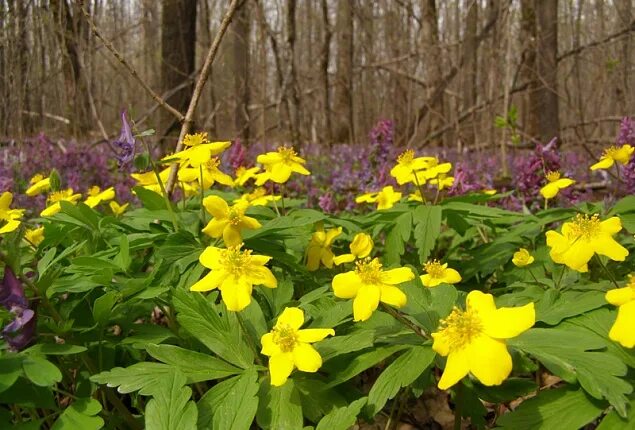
[322, 70]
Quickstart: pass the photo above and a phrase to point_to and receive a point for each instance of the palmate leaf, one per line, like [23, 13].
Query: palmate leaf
[197, 367]
[562, 408]
[427, 221]
[145, 377]
[280, 408]
[571, 353]
[171, 406]
[342, 418]
[396, 239]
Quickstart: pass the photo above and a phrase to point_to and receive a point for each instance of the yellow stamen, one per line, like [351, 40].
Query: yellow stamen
[461, 327]
[585, 226]
[234, 260]
[369, 270]
[285, 337]
[406, 157]
[552, 176]
[287, 153]
[434, 268]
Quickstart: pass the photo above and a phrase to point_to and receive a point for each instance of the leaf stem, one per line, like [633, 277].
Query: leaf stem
[405, 321]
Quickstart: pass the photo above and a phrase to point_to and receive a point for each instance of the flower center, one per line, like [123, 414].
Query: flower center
[585, 226]
[285, 337]
[286, 153]
[611, 152]
[195, 139]
[434, 268]
[235, 215]
[94, 191]
[58, 196]
[37, 178]
[369, 270]
[552, 176]
[212, 164]
[461, 327]
[234, 260]
[406, 157]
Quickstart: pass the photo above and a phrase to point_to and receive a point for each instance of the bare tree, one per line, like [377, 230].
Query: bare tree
[240, 65]
[547, 99]
[343, 98]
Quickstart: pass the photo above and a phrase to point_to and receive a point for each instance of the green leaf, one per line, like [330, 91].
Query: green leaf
[397, 238]
[613, 421]
[553, 308]
[562, 408]
[280, 407]
[342, 418]
[230, 405]
[333, 346]
[25, 393]
[196, 366]
[171, 406]
[122, 259]
[150, 200]
[145, 377]
[81, 414]
[220, 333]
[10, 371]
[102, 307]
[40, 371]
[400, 373]
[510, 389]
[625, 205]
[427, 221]
[568, 353]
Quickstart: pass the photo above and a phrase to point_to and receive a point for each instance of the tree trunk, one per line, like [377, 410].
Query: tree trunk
[432, 51]
[292, 84]
[470, 48]
[528, 69]
[324, 72]
[178, 41]
[547, 67]
[240, 69]
[343, 97]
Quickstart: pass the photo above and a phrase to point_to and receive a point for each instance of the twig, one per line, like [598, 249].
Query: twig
[625, 30]
[200, 83]
[178, 115]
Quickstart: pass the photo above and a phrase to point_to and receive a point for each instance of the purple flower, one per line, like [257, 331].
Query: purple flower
[125, 144]
[237, 155]
[19, 332]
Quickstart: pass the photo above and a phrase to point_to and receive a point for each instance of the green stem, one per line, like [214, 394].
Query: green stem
[458, 400]
[423, 202]
[608, 273]
[534, 277]
[405, 321]
[200, 172]
[168, 204]
[250, 340]
[282, 189]
[560, 278]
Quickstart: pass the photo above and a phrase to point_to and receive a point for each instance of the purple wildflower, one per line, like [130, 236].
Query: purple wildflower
[125, 144]
[626, 136]
[19, 332]
[237, 155]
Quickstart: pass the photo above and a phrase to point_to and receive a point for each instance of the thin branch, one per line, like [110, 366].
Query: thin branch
[200, 83]
[625, 30]
[178, 115]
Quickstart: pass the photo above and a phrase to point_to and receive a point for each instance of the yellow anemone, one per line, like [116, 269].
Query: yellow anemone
[234, 272]
[368, 284]
[474, 339]
[96, 196]
[289, 347]
[38, 185]
[227, 222]
[279, 165]
[210, 174]
[554, 185]
[622, 329]
[116, 208]
[385, 199]
[11, 216]
[258, 198]
[583, 237]
[360, 247]
[149, 181]
[611, 155]
[197, 155]
[407, 165]
[244, 174]
[319, 249]
[522, 258]
[34, 236]
[437, 274]
[56, 197]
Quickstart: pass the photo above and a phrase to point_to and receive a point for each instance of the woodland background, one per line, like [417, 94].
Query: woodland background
[324, 71]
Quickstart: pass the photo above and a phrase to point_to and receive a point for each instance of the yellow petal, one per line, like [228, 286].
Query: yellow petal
[456, 368]
[549, 191]
[310, 335]
[397, 276]
[51, 210]
[216, 206]
[327, 258]
[280, 367]
[606, 245]
[344, 258]
[299, 168]
[306, 358]
[362, 245]
[441, 343]
[481, 302]
[269, 158]
[505, 323]
[331, 235]
[346, 285]
[269, 347]
[604, 163]
[451, 276]
[293, 317]
[489, 360]
[620, 296]
[313, 258]
[215, 227]
[622, 330]
[365, 302]
[249, 223]
[392, 296]
[280, 173]
[210, 281]
[428, 281]
[259, 275]
[231, 235]
[611, 225]
[211, 257]
[236, 293]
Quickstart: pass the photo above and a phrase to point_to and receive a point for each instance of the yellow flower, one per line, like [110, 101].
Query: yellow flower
[474, 339]
[288, 347]
[522, 258]
[613, 154]
[149, 181]
[234, 272]
[198, 154]
[407, 165]
[11, 216]
[432, 171]
[116, 208]
[320, 247]
[227, 222]
[369, 285]
[554, 185]
[211, 174]
[622, 330]
[34, 236]
[195, 139]
[243, 175]
[415, 197]
[385, 199]
[258, 198]
[489, 192]
[38, 185]
[442, 181]
[360, 247]
[96, 196]
[56, 197]
[437, 274]
[280, 165]
[583, 237]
